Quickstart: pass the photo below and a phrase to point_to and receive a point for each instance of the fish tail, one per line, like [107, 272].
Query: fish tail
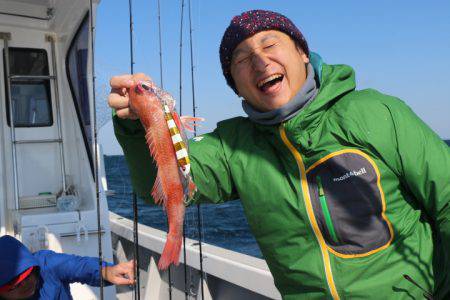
[189, 122]
[171, 252]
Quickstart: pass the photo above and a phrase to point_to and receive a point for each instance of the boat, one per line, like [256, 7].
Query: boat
[53, 191]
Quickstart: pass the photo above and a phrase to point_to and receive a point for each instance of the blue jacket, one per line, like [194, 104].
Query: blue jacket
[57, 270]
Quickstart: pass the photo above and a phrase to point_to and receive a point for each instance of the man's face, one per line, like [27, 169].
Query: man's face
[268, 69]
[24, 290]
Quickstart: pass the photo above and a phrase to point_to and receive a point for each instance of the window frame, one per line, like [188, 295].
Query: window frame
[45, 82]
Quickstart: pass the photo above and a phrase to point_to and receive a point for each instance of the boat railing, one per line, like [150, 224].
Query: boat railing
[227, 274]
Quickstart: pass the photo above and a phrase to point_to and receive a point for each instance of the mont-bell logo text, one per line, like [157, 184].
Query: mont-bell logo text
[350, 174]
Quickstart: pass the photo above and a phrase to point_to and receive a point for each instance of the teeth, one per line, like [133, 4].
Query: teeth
[271, 77]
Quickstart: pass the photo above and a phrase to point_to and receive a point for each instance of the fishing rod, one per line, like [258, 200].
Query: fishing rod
[181, 58]
[130, 12]
[160, 47]
[194, 107]
[97, 192]
[186, 293]
[137, 286]
[162, 87]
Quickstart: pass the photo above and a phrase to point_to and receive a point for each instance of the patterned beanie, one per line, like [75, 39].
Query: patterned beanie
[248, 24]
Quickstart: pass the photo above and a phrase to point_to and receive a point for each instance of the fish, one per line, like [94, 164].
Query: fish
[167, 143]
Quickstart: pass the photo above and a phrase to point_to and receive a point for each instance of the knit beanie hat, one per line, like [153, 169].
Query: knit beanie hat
[248, 24]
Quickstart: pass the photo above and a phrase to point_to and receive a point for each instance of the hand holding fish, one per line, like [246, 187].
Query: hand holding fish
[118, 98]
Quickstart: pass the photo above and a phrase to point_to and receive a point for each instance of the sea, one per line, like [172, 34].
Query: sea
[223, 225]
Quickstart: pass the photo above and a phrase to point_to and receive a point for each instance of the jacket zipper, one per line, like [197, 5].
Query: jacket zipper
[326, 211]
[311, 217]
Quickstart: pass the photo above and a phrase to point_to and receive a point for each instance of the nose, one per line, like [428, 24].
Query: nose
[260, 61]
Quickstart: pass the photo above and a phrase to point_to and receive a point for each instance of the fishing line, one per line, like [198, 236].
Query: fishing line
[199, 212]
[162, 87]
[181, 113]
[137, 286]
[97, 192]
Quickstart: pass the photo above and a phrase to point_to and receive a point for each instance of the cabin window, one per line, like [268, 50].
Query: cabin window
[77, 73]
[30, 92]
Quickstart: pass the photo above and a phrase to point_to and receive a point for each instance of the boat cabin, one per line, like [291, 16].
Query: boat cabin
[47, 166]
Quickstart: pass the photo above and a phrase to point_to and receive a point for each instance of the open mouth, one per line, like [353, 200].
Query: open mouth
[265, 84]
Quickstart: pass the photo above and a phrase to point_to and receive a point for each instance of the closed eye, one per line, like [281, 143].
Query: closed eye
[242, 59]
[270, 46]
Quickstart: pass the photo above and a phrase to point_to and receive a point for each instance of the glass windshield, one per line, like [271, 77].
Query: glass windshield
[77, 68]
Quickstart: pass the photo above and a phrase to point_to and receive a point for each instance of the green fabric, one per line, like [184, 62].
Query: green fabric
[244, 160]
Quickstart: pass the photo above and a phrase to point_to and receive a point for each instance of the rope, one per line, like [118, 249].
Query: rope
[97, 193]
[199, 212]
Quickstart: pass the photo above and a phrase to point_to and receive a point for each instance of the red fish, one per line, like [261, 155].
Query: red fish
[168, 147]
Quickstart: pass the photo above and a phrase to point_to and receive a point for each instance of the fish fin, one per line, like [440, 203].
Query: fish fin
[189, 122]
[157, 192]
[151, 145]
[171, 252]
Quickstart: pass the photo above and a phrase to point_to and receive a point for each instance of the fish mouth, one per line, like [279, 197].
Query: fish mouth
[265, 84]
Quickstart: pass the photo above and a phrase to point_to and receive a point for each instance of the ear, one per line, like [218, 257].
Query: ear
[303, 56]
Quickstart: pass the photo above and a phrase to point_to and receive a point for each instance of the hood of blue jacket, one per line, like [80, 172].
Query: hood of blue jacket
[15, 258]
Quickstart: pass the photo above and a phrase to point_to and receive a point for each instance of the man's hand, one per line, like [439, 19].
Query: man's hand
[118, 98]
[120, 274]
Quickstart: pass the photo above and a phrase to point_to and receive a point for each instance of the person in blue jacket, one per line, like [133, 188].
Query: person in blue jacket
[46, 274]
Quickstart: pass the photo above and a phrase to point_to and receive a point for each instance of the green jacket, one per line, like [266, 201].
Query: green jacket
[343, 199]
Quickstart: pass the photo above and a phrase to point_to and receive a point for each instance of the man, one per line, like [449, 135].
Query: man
[47, 275]
[346, 191]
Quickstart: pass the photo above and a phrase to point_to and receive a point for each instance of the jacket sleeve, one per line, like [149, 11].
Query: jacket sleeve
[131, 136]
[209, 166]
[424, 161]
[72, 268]
[210, 169]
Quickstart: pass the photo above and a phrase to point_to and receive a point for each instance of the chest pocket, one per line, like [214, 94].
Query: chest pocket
[349, 204]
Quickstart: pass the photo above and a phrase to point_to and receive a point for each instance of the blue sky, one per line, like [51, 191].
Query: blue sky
[401, 48]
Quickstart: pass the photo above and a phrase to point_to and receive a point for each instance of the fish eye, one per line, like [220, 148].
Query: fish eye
[145, 86]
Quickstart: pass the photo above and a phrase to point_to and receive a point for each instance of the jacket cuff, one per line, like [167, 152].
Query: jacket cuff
[127, 127]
